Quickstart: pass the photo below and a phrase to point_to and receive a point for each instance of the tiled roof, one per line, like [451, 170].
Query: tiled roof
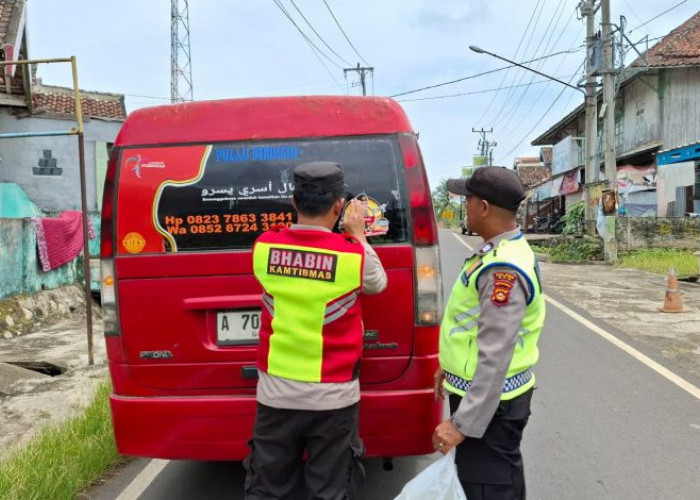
[519, 160]
[55, 100]
[681, 47]
[60, 100]
[533, 175]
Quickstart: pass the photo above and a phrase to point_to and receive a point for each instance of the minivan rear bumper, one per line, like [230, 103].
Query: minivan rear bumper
[392, 423]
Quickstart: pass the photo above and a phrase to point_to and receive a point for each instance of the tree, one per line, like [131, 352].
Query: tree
[444, 204]
[441, 197]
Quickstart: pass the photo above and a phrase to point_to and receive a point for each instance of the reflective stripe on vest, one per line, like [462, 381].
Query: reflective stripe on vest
[459, 349]
[311, 321]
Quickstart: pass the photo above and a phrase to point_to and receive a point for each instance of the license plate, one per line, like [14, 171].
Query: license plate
[237, 327]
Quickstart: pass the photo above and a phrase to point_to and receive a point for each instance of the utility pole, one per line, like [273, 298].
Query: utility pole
[362, 71]
[485, 147]
[180, 67]
[591, 121]
[608, 112]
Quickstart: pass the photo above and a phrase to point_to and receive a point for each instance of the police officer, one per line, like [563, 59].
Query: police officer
[310, 344]
[488, 342]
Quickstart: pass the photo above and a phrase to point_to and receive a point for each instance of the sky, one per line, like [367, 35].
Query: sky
[246, 48]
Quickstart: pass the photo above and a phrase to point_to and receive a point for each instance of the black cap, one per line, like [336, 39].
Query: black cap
[319, 177]
[499, 186]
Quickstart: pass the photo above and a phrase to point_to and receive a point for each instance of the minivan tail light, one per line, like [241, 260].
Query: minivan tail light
[109, 298]
[422, 213]
[429, 298]
[107, 222]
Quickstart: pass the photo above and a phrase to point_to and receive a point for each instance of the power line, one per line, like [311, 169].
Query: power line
[479, 74]
[542, 92]
[658, 16]
[452, 81]
[515, 55]
[147, 97]
[316, 51]
[319, 36]
[475, 92]
[635, 14]
[551, 28]
[518, 76]
[541, 118]
[308, 40]
[344, 34]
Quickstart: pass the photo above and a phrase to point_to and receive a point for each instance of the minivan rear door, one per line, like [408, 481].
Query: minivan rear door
[187, 217]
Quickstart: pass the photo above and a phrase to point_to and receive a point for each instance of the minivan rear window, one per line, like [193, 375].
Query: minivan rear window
[223, 196]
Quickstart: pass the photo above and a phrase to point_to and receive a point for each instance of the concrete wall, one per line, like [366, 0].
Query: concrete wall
[653, 232]
[14, 202]
[20, 271]
[55, 193]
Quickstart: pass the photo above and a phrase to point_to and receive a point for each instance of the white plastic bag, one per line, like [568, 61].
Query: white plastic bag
[438, 481]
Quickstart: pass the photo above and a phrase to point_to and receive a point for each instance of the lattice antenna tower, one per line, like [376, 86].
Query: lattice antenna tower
[180, 60]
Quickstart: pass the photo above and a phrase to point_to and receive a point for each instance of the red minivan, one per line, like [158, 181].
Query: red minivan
[188, 189]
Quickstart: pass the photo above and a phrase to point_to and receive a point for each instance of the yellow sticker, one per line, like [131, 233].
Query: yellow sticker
[375, 222]
[134, 243]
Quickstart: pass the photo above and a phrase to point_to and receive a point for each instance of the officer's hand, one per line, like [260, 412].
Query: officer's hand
[354, 219]
[439, 389]
[446, 437]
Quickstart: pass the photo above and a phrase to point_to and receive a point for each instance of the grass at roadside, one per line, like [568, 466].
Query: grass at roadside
[571, 250]
[63, 460]
[653, 260]
[659, 260]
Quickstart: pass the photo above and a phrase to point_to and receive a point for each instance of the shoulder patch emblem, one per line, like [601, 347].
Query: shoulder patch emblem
[503, 283]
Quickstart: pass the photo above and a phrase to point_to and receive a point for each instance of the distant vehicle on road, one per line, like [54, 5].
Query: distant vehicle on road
[188, 190]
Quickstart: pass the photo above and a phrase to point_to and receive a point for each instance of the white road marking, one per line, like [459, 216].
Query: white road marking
[143, 480]
[658, 368]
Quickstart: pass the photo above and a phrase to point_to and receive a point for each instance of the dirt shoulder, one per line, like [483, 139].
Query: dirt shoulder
[53, 335]
[629, 300]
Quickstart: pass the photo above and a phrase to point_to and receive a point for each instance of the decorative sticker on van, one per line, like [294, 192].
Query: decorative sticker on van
[134, 242]
[136, 163]
[141, 173]
[375, 222]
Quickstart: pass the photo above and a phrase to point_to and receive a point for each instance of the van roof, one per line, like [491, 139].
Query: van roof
[263, 118]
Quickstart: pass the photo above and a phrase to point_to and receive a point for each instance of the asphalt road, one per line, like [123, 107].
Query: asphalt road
[604, 426]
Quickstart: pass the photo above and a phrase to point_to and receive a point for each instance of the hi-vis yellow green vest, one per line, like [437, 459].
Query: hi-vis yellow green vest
[459, 347]
[311, 322]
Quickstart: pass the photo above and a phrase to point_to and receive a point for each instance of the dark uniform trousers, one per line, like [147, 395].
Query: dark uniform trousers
[332, 470]
[491, 468]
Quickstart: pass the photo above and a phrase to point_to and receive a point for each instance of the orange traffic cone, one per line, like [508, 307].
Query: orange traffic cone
[673, 303]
